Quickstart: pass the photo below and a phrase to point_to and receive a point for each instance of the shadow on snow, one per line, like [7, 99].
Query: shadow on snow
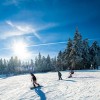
[71, 80]
[40, 93]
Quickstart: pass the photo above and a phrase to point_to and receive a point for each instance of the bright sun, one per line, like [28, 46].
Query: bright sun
[20, 50]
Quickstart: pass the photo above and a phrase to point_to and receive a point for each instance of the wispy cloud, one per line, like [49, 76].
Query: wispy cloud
[43, 44]
[22, 29]
[9, 23]
[47, 26]
[17, 29]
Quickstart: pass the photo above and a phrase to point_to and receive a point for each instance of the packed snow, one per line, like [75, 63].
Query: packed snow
[85, 85]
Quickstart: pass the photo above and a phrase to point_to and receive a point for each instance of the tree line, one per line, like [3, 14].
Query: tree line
[78, 54]
[15, 66]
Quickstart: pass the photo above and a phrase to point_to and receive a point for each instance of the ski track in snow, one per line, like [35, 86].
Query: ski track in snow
[83, 86]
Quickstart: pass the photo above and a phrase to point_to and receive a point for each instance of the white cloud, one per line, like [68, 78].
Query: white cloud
[19, 29]
[42, 44]
[47, 26]
[11, 29]
[10, 23]
[45, 44]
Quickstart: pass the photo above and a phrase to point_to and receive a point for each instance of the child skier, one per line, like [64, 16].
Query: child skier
[59, 75]
[34, 80]
[71, 72]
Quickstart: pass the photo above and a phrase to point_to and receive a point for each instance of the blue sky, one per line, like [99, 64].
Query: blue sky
[45, 25]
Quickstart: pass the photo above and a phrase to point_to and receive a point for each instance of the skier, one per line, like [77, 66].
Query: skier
[59, 75]
[71, 72]
[34, 80]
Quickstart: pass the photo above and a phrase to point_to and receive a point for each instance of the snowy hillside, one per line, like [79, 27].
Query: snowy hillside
[83, 86]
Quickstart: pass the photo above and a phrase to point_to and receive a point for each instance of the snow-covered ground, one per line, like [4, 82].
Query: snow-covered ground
[83, 86]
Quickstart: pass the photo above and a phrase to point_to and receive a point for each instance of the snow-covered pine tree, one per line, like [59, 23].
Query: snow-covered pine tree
[1, 66]
[60, 61]
[48, 64]
[43, 64]
[76, 52]
[19, 66]
[38, 63]
[94, 51]
[11, 65]
[5, 65]
[66, 54]
[32, 66]
[16, 64]
[98, 60]
[85, 55]
[54, 64]
[23, 67]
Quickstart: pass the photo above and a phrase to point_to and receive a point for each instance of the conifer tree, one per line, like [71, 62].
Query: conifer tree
[66, 54]
[86, 55]
[32, 66]
[76, 52]
[59, 61]
[54, 64]
[48, 63]
[94, 51]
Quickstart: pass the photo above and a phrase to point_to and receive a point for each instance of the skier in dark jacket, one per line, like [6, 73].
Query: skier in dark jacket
[59, 75]
[34, 80]
[71, 72]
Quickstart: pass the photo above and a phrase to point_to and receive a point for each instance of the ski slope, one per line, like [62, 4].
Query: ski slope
[85, 85]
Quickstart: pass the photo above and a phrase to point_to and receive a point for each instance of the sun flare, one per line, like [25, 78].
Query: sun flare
[20, 50]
